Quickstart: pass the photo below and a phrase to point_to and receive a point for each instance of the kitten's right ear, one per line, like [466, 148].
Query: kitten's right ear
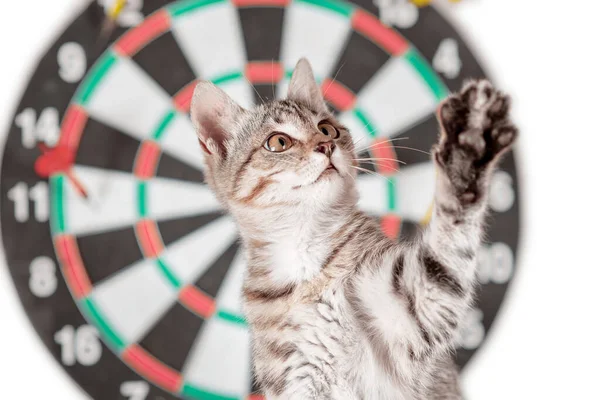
[213, 114]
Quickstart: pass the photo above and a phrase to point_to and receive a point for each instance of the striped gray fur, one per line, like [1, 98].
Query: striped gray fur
[336, 309]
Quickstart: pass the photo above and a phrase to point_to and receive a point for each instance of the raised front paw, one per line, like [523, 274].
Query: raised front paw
[475, 131]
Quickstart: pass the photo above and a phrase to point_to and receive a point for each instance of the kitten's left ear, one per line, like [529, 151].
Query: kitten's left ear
[304, 88]
[214, 115]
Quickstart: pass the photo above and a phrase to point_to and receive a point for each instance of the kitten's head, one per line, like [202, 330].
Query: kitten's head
[281, 154]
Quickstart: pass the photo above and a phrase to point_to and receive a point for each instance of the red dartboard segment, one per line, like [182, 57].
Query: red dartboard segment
[260, 3]
[72, 126]
[151, 368]
[197, 301]
[387, 38]
[264, 72]
[337, 94]
[390, 225]
[183, 98]
[383, 151]
[147, 159]
[255, 397]
[149, 238]
[138, 37]
[72, 265]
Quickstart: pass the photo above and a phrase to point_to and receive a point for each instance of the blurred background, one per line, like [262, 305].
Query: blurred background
[543, 343]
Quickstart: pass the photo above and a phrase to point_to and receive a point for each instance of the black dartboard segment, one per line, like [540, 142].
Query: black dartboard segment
[127, 266]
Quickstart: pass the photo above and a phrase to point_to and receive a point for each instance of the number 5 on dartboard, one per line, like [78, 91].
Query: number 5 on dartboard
[402, 14]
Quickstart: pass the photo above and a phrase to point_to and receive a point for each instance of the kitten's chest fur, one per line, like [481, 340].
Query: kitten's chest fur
[318, 325]
[292, 260]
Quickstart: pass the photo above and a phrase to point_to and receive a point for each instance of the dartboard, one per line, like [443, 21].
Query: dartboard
[123, 259]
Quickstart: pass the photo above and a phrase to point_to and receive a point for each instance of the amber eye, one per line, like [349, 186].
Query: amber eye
[278, 142]
[329, 130]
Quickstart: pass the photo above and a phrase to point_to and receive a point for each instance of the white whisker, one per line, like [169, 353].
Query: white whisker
[375, 164]
[358, 141]
[350, 175]
[335, 76]
[381, 142]
[273, 78]
[256, 91]
[379, 159]
[371, 172]
[400, 147]
[411, 148]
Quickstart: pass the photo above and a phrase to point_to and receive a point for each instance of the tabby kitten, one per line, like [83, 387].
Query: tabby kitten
[336, 309]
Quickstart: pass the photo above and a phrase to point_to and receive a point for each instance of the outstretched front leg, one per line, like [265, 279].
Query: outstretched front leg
[439, 272]
[416, 301]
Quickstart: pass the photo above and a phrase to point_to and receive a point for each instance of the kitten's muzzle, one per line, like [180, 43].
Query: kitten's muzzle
[325, 148]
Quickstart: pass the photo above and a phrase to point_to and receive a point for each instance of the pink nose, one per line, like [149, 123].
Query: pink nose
[325, 148]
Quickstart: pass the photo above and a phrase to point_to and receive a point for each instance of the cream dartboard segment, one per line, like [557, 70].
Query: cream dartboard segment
[125, 262]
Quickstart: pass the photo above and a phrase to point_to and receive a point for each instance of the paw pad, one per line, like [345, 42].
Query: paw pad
[475, 121]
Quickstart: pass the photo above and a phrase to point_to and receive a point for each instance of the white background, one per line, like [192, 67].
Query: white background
[545, 343]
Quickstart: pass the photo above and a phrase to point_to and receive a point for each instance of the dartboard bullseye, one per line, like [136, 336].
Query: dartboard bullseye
[127, 266]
